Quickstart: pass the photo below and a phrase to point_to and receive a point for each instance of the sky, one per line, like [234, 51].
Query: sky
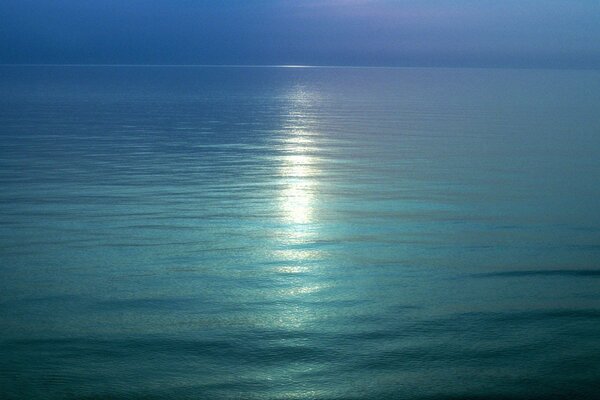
[515, 33]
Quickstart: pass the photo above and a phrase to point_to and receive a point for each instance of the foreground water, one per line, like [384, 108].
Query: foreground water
[270, 233]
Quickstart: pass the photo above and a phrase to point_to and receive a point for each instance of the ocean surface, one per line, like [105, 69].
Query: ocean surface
[299, 233]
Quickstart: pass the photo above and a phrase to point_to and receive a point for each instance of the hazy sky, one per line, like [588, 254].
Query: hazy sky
[556, 33]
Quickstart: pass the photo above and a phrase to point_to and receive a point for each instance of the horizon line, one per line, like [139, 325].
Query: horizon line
[296, 66]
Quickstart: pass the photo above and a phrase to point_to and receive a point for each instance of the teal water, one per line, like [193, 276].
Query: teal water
[293, 233]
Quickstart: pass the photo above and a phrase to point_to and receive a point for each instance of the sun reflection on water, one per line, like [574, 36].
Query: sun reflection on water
[298, 194]
[299, 166]
[297, 279]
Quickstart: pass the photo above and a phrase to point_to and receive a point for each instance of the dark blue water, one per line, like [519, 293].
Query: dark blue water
[285, 233]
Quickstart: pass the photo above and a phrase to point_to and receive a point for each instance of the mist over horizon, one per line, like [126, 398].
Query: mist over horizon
[556, 34]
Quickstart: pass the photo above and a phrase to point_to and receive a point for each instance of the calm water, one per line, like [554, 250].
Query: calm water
[279, 233]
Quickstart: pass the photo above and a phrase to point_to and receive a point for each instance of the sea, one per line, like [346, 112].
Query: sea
[199, 232]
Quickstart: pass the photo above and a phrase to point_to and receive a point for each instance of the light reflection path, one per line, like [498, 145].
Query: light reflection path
[300, 284]
[298, 170]
[297, 197]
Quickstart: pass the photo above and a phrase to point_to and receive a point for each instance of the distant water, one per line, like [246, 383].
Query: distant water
[279, 233]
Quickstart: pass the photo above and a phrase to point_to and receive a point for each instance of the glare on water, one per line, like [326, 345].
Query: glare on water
[298, 167]
[298, 173]
[297, 196]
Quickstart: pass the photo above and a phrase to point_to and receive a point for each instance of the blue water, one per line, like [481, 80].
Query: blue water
[299, 233]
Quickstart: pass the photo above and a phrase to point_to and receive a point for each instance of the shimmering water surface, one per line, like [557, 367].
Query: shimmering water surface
[294, 233]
